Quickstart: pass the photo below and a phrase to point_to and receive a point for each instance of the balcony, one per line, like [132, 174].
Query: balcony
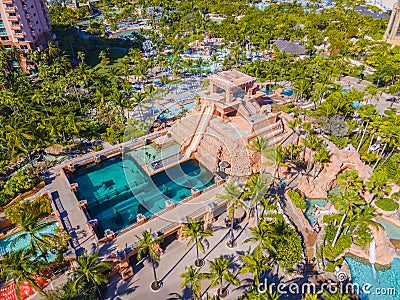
[16, 27]
[20, 35]
[13, 18]
[7, 1]
[10, 9]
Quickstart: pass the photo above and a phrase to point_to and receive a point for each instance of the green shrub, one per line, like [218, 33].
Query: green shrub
[343, 242]
[297, 199]
[19, 183]
[387, 204]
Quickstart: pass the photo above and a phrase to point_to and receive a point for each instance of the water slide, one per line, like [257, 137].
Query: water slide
[200, 130]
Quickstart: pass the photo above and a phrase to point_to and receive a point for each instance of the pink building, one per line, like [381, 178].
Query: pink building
[26, 25]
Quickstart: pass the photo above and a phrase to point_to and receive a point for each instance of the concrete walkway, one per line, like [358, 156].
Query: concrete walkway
[173, 262]
[72, 217]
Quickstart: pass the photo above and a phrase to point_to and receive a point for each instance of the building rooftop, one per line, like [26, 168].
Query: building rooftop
[289, 47]
[232, 78]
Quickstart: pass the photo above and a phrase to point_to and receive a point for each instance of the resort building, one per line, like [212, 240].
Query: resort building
[24, 24]
[392, 34]
[161, 180]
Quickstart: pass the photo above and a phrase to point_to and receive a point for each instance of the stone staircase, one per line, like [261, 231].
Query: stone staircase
[184, 129]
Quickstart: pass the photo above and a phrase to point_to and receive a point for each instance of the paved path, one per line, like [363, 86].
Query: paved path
[73, 218]
[172, 264]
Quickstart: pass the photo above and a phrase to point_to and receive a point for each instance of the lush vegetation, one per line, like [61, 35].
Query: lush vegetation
[387, 204]
[19, 183]
[297, 199]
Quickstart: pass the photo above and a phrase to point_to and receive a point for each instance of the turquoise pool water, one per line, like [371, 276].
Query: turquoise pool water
[393, 232]
[118, 189]
[362, 274]
[310, 214]
[266, 91]
[175, 109]
[125, 34]
[287, 92]
[146, 154]
[23, 243]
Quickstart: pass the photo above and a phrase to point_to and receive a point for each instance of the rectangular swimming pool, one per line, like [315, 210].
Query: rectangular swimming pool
[117, 189]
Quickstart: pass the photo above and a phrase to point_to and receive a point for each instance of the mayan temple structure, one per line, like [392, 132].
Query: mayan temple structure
[229, 115]
[392, 34]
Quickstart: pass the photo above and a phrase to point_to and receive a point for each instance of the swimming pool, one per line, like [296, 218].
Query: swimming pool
[287, 92]
[362, 274]
[125, 34]
[23, 243]
[311, 214]
[392, 231]
[175, 109]
[117, 189]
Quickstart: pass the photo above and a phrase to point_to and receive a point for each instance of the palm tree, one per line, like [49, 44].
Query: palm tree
[311, 297]
[259, 145]
[33, 231]
[19, 266]
[257, 187]
[90, 271]
[263, 236]
[146, 246]
[138, 100]
[232, 194]
[195, 230]
[313, 142]
[219, 271]
[348, 197]
[192, 278]
[255, 264]
[322, 158]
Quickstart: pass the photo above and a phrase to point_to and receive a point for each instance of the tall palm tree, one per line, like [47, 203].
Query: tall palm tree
[313, 142]
[259, 145]
[196, 232]
[146, 246]
[263, 236]
[257, 188]
[18, 265]
[348, 198]
[219, 271]
[255, 264]
[90, 271]
[192, 278]
[232, 194]
[322, 158]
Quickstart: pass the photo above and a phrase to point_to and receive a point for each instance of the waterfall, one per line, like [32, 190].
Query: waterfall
[372, 256]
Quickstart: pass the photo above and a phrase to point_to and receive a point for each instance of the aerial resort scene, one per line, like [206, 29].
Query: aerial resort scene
[199, 150]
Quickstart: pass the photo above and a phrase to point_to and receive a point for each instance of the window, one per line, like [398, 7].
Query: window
[14, 23]
[10, 5]
[7, 46]
[21, 40]
[24, 47]
[18, 31]
[34, 15]
[12, 14]
[5, 38]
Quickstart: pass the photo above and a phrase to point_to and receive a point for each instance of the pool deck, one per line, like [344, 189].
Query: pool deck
[195, 207]
[71, 217]
[74, 220]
